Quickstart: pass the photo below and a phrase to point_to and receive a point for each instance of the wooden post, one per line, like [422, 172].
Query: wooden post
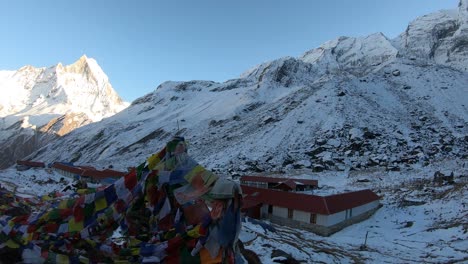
[365, 241]
[364, 246]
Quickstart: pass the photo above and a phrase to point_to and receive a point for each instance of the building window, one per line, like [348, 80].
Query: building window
[313, 218]
[349, 213]
[270, 209]
[290, 213]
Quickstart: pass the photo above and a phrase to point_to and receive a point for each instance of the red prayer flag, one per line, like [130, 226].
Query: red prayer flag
[130, 180]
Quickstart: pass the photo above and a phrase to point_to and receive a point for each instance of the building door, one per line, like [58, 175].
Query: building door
[290, 213]
[270, 209]
[313, 218]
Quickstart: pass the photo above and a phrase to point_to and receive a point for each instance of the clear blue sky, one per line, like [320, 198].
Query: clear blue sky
[140, 44]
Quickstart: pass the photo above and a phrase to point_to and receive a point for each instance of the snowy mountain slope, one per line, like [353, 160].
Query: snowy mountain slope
[39, 104]
[406, 112]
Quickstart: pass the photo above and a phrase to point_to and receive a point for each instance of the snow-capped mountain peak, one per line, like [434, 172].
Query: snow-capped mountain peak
[85, 66]
[349, 53]
[463, 15]
[78, 87]
[59, 97]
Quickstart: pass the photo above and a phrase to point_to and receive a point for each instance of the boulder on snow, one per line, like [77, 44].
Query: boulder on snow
[355, 133]
[411, 202]
[333, 142]
[318, 168]
[443, 177]
[341, 93]
[393, 168]
[363, 180]
[279, 256]
[369, 135]
[321, 141]
[314, 152]
[268, 119]
[396, 73]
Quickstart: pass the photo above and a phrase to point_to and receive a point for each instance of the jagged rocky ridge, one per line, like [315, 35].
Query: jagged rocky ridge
[41, 104]
[351, 104]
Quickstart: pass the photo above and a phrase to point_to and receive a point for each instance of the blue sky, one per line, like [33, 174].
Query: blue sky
[140, 44]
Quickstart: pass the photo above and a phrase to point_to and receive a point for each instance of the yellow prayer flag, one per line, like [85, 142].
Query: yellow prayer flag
[62, 259]
[153, 161]
[83, 260]
[100, 204]
[11, 244]
[195, 232]
[74, 226]
[135, 251]
[63, 204]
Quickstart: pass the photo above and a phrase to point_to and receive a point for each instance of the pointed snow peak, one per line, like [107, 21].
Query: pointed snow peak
[26, 68]
[29, 70]
[463, 13]
[439, 37]
[463, 6]
[85, 66]
[357, 55]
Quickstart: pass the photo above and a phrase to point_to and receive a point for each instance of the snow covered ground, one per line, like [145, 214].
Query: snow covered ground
[420, 221]
[33, 181]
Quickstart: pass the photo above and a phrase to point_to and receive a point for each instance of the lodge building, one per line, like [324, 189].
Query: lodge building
[323, 215]
[89, 174]
[285, 184]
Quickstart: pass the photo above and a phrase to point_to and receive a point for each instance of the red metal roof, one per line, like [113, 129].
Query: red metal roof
[67, 168]
[278, 180]
[30, 163]
[115, 173]
[297, 201]
[87, 171]
[86, 168]
[325, 205]
[102, 174]
[340, 202]
[289, 183]
[249, 203]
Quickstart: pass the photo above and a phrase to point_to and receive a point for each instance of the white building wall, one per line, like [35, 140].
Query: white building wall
[336, 218]
[256, 184]
[65, 173]
[301, 216]
[322, 220]
[365, 208]
[333, 219]
[280, 211]
[264, 210]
